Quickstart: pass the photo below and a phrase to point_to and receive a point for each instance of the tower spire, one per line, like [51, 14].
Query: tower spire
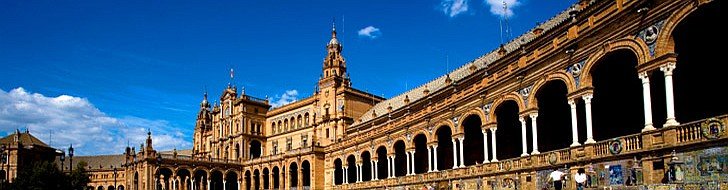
[334, 65]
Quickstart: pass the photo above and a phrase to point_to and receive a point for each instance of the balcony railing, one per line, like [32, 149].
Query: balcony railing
[666, 138]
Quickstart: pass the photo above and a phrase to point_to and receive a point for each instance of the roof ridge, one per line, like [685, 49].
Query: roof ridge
[459, 73]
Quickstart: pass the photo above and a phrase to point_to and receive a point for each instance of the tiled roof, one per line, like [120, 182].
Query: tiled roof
[98, 162]
[461, 72]
[187, 152]
[25, 138]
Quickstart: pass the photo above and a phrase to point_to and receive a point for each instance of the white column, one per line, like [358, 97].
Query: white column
[191, 185]
[373, 172]
[413, 162]
[394, 166]
[429, 158]
[523, 136]
[454, 154]
[408, 163]
[223, 185]
[535, 133]
[376, 169]
[485, 145]
[434, 148]
[647, 101]
[462, 160]
[492, 141]
[669, 96]
[587, 107]
[359, 169]
[389, 166]
[208, 184]
[345, 174]
[574, 130]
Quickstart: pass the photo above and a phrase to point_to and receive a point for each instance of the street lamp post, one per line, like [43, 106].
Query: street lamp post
[70, 156]
[70, 159]
[63, 158]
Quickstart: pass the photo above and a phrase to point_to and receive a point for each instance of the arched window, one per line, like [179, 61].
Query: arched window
[305, 120]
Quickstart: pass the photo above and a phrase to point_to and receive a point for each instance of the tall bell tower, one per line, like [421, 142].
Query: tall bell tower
[334, 66]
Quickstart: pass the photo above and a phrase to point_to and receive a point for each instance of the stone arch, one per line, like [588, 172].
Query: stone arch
[381, 153]
[230, 179]
[217, 169]
[293, 168]
[440, 124]
[419, 143]
[427, 135]
[402, 138]
[505, 97]
[665, 42]
[399, 147]
[558, 75]
[631, 43]
[475, 111]
[201, 168]
[305, 173]
[178, 169]
[228, 171]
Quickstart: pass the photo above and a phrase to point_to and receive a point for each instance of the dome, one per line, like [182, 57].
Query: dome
[333, 41]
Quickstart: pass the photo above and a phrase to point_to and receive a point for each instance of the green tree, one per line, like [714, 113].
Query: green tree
[79, 178]
[47, 176]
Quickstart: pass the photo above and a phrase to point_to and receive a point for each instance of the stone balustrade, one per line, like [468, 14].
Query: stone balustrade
[667, 138]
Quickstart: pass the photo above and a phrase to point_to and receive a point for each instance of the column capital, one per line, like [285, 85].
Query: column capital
[571, 103]
[521, 119]
[668, 68]
[493, 129]
[587, 98]
[644, 77]
[533, 115]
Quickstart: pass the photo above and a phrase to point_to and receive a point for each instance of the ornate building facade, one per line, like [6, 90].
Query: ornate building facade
[624, 89]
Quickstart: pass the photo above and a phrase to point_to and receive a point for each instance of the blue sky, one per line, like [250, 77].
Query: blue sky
[74, 71]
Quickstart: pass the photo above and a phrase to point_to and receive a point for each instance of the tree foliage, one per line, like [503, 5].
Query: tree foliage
[47, 176]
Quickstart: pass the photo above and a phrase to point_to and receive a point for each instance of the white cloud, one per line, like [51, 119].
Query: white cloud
[288, 97]
[496, 7]
[75, 120]
[370, 31]
[454, 7]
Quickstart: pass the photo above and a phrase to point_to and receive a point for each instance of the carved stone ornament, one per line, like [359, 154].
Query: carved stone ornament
[615, 146]
[525, 91]
[712, 128]
[552, 158]
[575, 70]
[486, 108]
[649, 35]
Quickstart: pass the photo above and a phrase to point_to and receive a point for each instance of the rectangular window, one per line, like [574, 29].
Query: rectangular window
[289, 143]
[275, 147]
[304, 141]
[327, 133]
